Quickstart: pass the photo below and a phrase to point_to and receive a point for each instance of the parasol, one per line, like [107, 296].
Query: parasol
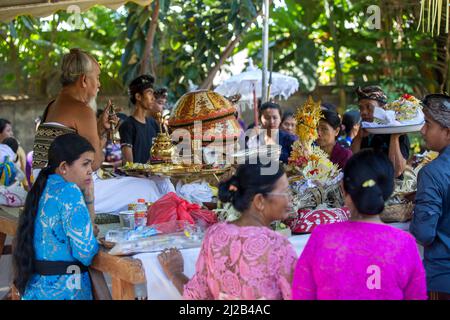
[251, 79]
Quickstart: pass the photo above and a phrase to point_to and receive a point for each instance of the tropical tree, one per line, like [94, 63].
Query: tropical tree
[31, 49]
[192, 40]
[183, 42]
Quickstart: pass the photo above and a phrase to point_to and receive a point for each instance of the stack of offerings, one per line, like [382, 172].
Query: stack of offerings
[400, 206]
[314, 179]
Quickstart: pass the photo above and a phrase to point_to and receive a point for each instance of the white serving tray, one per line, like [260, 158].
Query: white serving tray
[395, 129]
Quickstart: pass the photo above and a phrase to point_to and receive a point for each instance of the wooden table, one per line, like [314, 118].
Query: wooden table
[125, 272]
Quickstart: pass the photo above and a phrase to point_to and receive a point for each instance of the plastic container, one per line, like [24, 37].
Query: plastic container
[127, 219]
[117, 235]
[140, 213]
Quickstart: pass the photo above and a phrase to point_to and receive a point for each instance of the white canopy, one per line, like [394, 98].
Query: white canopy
[10, 9]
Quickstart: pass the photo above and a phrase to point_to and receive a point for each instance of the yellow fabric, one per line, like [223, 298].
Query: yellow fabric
[21, 163]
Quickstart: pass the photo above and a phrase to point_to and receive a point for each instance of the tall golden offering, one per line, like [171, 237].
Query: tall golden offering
[306, 160]
[162, 148]
[307, 117]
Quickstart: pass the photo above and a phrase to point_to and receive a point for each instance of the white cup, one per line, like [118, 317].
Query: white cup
[127, 219]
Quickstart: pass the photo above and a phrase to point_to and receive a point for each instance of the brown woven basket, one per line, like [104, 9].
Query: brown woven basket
[401, 212]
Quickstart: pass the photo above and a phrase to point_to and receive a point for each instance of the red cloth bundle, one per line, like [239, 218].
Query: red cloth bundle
[173, 208]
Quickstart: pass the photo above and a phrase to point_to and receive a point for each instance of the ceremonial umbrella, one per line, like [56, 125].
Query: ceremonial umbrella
[250, 80]
[249, 85]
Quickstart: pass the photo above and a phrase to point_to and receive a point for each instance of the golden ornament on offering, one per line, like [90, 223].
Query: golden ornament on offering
[308, 117]
[162, 148]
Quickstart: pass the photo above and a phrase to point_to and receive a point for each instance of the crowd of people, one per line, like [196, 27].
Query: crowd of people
[243, 259]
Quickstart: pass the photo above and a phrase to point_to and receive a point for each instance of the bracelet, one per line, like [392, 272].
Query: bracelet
[89, 202]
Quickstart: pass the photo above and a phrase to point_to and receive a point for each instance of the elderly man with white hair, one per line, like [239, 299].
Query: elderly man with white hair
[73, 112]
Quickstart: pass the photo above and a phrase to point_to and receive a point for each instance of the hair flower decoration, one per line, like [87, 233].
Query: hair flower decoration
[369, 183]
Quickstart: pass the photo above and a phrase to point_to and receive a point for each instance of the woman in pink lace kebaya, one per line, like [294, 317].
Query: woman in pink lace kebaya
[361, 259]
[244, 259]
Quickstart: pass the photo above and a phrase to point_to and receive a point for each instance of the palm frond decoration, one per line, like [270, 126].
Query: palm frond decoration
[431, 11]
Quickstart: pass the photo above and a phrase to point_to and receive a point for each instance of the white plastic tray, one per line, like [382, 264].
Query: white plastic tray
[395, 129]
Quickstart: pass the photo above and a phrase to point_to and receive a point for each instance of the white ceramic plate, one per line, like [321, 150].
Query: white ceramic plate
[395, 129]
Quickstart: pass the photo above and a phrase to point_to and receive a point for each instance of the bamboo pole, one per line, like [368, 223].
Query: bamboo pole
[265, 42]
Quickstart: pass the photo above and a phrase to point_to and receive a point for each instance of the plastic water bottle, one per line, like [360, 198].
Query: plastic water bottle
[140, 213]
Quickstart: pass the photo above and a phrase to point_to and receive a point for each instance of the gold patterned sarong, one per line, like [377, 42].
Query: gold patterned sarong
[45, 135]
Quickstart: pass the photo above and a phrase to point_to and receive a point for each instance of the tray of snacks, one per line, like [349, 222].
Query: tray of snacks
[403, 115]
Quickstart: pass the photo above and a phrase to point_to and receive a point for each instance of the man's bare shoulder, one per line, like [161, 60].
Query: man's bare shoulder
[77, 107]
[65, 109]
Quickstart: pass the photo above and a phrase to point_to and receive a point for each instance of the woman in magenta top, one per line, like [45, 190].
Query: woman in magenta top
[243, 259]
[361, 259]
[328, 131]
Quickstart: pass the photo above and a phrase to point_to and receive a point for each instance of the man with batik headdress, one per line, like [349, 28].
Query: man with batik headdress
[431, 219]
[395, 146]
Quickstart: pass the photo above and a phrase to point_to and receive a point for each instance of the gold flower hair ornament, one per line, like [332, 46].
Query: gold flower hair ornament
[369, 183]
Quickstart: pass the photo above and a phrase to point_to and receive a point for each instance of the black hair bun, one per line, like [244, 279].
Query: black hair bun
[228, 189]
[369, 179]
[369, 200]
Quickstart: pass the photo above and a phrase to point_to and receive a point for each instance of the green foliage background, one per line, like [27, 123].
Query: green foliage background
[192, 35]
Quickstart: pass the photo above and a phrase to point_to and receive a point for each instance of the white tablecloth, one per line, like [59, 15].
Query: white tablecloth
[160, 288]
[114, 195]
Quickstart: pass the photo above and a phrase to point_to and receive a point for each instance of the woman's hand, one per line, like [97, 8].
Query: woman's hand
[96, 230]
[88, 192]
[171, 262]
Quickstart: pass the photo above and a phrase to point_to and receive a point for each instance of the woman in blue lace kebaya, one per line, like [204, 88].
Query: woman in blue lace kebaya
[55, 240]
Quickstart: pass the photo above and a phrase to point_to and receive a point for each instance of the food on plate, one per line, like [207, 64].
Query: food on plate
[406, 107]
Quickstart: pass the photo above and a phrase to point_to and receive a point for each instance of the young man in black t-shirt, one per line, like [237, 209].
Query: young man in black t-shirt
[137, 131]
